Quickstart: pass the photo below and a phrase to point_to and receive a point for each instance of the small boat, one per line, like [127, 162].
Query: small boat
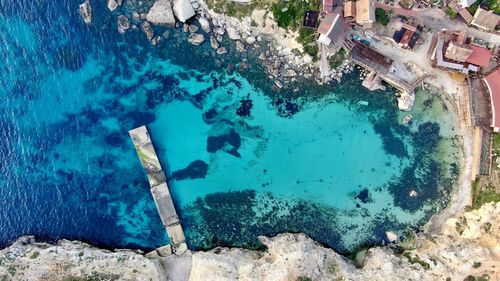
[407, 119]
[362, 102]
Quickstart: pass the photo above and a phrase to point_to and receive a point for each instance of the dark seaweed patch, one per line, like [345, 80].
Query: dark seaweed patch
[215, 143]
[195, 170]
[245, 107]
[286, 108]
[392, 144]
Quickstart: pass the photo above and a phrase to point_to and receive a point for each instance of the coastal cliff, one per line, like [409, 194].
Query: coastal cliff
[469, 245]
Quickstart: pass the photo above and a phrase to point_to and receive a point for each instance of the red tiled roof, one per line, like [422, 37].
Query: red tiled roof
[480, 56]
[493, 83]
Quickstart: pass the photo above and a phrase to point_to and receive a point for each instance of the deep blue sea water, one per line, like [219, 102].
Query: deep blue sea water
[243, 159]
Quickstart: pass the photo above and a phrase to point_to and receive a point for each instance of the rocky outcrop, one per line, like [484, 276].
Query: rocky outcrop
[233, 33]
[86, 11]
[196, 39]
[468, 246]
[113, 4]
[205, 25]
[183, 10]
[123, 24]
[406, 100]
[161, 13]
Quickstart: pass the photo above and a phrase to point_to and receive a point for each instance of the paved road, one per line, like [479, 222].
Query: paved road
[437, 20]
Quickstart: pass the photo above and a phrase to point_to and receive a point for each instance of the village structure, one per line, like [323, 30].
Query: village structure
[405, 45]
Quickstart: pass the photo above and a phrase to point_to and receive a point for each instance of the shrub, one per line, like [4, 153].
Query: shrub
[451, 13]
[381, 16]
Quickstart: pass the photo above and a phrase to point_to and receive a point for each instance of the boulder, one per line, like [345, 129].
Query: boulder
[219, 31]
[147, 29]
[193, 28]
[123, 24]
[290, 73]
[161, 13]
[406, 100]
[213, 42]
[86, 11]
[239, 46]
[250, 40]
[391, 236]
[221, 50]
[278, 84]
[136, 16]
[196, 39]
[112, 5]
[232, 33]
[183, 10]
[185, 27]
[205, 24]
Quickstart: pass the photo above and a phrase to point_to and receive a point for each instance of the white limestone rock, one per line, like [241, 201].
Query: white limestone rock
[86, 12]
[123, 24]
[183, 10]
[161, 13]
[406, 100]
[196, 39]
[112, 5]
[232, 33]
[205, 24]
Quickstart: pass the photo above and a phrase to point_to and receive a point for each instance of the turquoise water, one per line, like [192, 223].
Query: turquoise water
[243, 159]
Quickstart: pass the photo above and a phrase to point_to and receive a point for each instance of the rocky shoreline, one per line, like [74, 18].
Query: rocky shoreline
[282, 63]
[467, 246]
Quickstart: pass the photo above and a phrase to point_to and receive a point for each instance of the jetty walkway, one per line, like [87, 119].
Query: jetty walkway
[159, 190]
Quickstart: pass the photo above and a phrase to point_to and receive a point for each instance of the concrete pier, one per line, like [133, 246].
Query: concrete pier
[159, 188]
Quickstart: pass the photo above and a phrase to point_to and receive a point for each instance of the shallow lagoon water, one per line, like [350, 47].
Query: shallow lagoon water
[243, 160]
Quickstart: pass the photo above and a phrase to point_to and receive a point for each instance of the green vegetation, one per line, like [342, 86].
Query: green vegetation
[416, 259]
[303, 278]
[93, 277]
[11, 270]
[238, 10]
[34, 255]
[289, 14]
[451, 13]
[382, 17]
[480, 196]
[307, 37]
[490, 4]
[337, 59]
[483, 277]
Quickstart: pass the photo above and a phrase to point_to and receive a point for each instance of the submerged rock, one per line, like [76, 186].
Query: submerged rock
[183, 10]
[148, 30]
[221, 51]
[112, 5]
[219, 31]
[123, 24]
[239, 46]
[193, 28]
[161, 13]
[196, 39]
[86, 11]
[214, 43]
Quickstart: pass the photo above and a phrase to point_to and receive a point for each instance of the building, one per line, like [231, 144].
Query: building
[331, 29]
[466, 15]
[365, 13]
[485, 19]
[480, 56]
[453, 52]
[465, 3]
[408, 35]
[492, 82]
[328, 6]
[350, 10]
[457, 52]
